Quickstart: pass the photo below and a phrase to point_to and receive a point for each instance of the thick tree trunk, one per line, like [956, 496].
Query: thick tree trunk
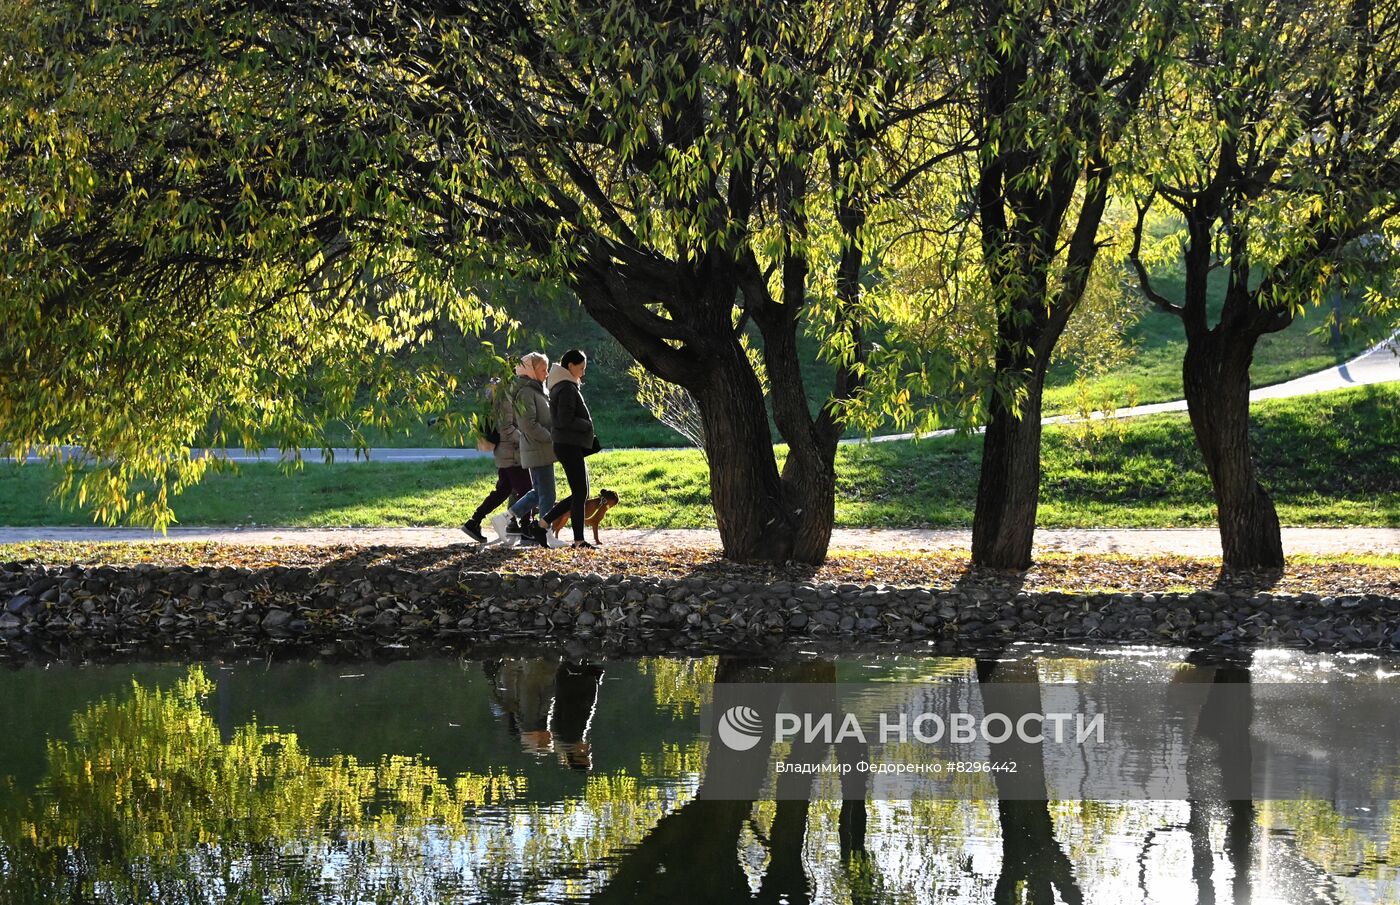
[762, 516]
[1008, 489]
[1216, 378]
[809, 486]
[809, 473]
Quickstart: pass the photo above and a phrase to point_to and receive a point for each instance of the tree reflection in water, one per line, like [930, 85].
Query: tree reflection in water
[159, 795]
[147, 803]
[1227, 722]
[1034, 868]
[690, 856]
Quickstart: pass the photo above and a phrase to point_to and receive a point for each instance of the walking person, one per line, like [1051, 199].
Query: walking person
[512, 481]
[574, 438]
[533, 423]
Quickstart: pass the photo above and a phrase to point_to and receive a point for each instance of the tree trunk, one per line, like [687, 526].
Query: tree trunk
[1008, 489]
[809, 473]
[809, 486]
[751, 510]
[1216, 379]
[762, 516]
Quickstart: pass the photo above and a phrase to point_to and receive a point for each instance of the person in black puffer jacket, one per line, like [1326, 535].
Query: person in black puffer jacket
[573, 437]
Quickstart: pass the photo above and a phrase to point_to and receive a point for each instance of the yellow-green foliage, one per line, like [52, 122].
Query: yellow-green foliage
[192, 249]
[146, 780]
[146, 797]
[682, 686]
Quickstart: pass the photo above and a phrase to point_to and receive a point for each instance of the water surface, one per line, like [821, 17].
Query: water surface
[541, 779]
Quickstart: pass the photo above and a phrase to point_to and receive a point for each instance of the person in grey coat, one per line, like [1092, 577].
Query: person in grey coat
[512, 481]
[533, 423]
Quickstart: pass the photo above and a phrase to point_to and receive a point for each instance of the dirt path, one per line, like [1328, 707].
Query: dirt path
[1193, 542]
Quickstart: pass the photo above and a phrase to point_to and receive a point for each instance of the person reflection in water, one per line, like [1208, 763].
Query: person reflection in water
[523, 692]
[547, 705]
[575, 698]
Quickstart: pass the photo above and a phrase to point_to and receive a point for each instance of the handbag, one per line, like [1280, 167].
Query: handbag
[596, 447]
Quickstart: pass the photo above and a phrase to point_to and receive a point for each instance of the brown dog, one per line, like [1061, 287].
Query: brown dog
[593, 512]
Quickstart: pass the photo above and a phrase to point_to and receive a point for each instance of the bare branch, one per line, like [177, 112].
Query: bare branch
[1135, 257]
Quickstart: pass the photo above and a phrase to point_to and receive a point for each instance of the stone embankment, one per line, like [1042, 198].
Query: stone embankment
[85, 610]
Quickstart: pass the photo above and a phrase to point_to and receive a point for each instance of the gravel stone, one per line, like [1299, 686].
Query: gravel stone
[361, 609]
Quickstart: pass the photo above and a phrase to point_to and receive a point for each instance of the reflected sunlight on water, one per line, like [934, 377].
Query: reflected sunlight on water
[544, 780]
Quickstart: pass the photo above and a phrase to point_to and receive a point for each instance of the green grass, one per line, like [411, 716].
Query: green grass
[1153, 373]
[621, 421]
[1331, 459]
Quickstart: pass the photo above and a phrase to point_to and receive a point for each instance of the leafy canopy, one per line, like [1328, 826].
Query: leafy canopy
[202, 243]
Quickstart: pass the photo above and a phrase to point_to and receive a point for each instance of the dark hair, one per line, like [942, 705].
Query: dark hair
[572, 357]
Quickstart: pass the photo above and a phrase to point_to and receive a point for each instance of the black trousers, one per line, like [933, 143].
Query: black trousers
[512, 483]
[576, 471]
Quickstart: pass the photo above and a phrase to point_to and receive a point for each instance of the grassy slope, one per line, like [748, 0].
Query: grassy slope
[622, 422]
[1153, 374]
[1329, 460]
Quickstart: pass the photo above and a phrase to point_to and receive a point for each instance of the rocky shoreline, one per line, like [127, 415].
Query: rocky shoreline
[87, 610]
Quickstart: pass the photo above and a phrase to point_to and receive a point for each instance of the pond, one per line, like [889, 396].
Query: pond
[543, 778]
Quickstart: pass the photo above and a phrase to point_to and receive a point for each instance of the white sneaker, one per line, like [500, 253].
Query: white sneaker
[554, 540]
[498, 525]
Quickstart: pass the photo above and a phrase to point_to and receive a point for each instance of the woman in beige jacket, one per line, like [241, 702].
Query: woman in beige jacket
[533, 423]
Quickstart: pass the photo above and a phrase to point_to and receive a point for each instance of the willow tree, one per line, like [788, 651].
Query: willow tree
[1056, 86]
[691, 171]
[1277, 148]
[147, 792]
[200, 246]
[1005, 231]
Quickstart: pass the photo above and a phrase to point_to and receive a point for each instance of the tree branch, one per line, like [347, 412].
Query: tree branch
[1135, 257]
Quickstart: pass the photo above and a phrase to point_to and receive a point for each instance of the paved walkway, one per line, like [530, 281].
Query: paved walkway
[1194, 542]
[1379, 364]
